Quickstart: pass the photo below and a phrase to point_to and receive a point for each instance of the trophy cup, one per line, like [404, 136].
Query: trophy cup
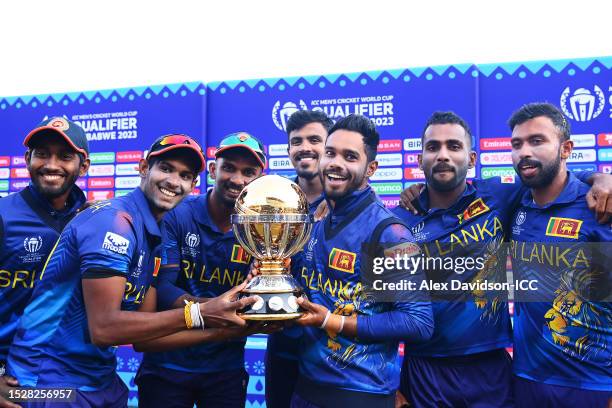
[272, 223]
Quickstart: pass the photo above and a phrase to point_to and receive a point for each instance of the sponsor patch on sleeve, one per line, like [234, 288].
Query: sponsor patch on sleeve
[115, 243]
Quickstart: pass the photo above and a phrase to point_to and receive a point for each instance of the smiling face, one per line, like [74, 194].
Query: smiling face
[53, 165]
[306, 147]
[232, 172]
[446, 156]
[538, 154]
[344, 168]
[166, 182]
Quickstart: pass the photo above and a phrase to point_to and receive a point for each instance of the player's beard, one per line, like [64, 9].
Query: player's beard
[546, 175]
[53, 191]
[460, 174]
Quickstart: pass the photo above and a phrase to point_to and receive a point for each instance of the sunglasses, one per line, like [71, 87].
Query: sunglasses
[172, 140]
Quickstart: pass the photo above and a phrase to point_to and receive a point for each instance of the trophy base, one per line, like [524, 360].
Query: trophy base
[272, 306]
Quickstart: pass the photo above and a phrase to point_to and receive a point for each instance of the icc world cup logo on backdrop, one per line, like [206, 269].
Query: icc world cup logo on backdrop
[582, 105]
[32, 244]
[281, 114]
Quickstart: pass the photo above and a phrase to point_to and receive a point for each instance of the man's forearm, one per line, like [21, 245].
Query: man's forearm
[183, 338]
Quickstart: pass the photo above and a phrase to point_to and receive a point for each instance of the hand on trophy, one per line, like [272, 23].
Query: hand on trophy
[256, 265]
[221, 310]
[314, 314]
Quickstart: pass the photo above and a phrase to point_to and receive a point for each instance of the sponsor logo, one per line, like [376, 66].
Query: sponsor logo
[33, 244]
[389, 159]
[471, 173]
[278, 149]
[99, 195]
[495, 158]
[403, 249]
[582, 167]
[584, 155]
[508, 179]
[342, 260]
[131, 156]
[413, 173]
[281, 163]
[4, 185]
[104, 157]
[239, 255]
[387, 188]
[130, 169]
[81, 183]
[586, 140]
[412, 144]
[383, 173]
[476, 208]
[488, 172]
[210, 152]
[115, 243]
[411, 158]
[20, 172]
[390, 202]
[119, 193]
[18, 161]
[604, 139]
[497, 143]
[563, 227]
[394, 145]
[101, 170]
[5, 173]
[281, 113]
[192, 240]
[5, 161]
[582, 105]
[605, 155]
[59, 123]
[19, 184]
[107, 182]
[127, 182]
[605, 168]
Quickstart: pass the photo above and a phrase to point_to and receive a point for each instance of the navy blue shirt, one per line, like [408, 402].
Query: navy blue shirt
[209, 263]
[29, 228]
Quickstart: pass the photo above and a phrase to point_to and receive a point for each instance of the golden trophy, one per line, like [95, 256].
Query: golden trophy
[272, 223]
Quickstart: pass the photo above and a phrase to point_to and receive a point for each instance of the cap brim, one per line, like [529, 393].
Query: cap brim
[182, 146]
[253, 152]
[27, 139]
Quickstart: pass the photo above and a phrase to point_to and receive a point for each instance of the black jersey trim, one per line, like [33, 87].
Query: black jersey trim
[99, 273]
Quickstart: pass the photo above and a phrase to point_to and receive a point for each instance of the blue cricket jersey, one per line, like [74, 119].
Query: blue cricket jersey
[52, 345]
[565, 336]
[29, 227]
[474, 226]
[210, 263]
[331, 276]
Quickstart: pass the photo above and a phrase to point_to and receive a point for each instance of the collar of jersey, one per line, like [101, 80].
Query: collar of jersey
[76, 199]
[464, 199]
[347, 203]
[142, 206]
[201, 213]
[569, 194]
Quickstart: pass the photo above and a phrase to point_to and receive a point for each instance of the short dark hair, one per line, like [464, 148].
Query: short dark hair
[364, 126]
[302, 118]
[447, 118]
[536, 109]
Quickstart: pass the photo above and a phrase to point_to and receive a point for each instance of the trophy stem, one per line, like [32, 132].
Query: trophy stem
[273, 267]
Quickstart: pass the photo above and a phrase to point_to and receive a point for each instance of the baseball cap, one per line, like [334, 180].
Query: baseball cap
[177, 141]
[244, 141]
[72, 133]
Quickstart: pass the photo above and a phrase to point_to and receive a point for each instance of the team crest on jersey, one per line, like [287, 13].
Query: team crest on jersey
[563, 227]
[477, 207]
[239, 255]
[157, 265]
[342, 260]
[192, 240]
[115, 243]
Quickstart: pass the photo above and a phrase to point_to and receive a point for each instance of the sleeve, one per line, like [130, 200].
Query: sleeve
[167, 291]
[584, 176]
[106, 245]
[508, 195]
[406, 320]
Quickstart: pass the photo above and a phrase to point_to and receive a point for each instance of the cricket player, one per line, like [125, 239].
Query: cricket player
[562, 331]
[307, 132]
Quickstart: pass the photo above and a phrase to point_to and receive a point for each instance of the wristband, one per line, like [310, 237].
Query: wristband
[322, 326]
[341, 324]
[187, 312]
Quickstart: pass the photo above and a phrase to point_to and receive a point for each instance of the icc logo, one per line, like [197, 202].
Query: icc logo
[418, 228]
[32, 244]
[192, 240]
[280, 115]
[582, 106]
[521, 217]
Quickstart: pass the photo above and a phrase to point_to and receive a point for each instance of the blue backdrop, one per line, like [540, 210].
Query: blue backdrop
[122, 123]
